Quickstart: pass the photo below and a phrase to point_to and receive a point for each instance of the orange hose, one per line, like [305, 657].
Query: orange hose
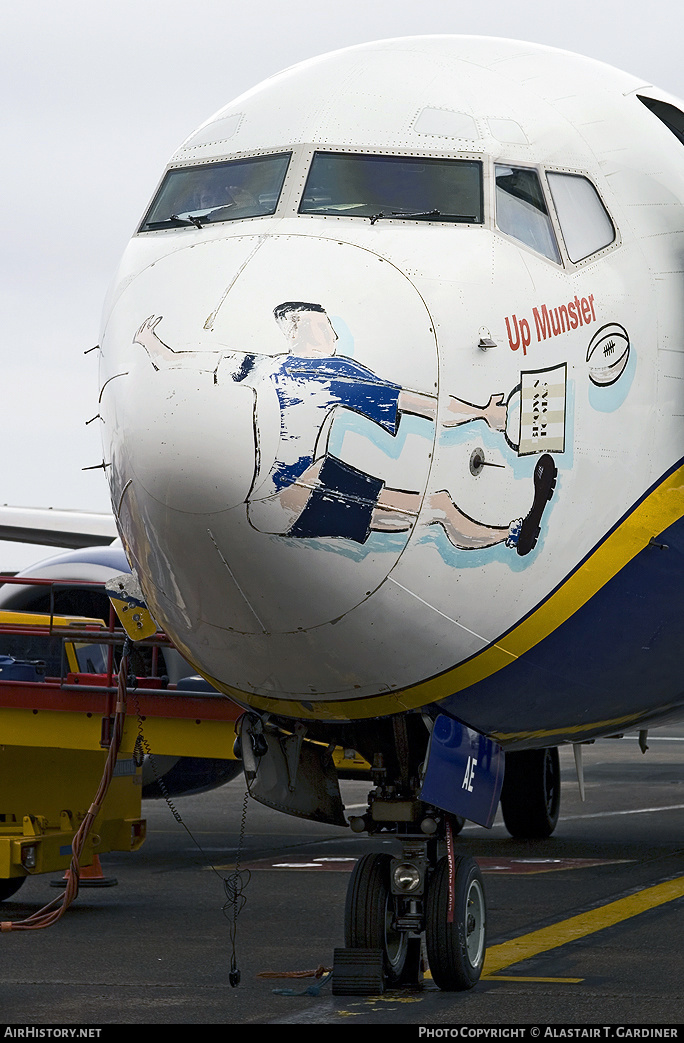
[53, 911]
[318, 973]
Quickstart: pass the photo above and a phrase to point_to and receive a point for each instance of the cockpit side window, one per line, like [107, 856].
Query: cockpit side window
[583, 219]
[521, 210]
[670, 115]
[395, 187]
[212, 192]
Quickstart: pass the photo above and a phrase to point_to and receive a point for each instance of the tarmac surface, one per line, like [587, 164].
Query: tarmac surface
[595, 912]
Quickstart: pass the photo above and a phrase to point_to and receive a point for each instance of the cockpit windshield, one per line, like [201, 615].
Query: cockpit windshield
[521, 210]
[229, 191]
[395, 187]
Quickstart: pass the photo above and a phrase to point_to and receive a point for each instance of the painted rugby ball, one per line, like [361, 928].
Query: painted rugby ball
[608, 354]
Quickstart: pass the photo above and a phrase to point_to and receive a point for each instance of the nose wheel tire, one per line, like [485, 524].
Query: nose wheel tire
[456, 949]
[370, 915]
[530, 797]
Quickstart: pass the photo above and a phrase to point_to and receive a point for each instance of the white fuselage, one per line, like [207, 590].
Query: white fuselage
[443, 361]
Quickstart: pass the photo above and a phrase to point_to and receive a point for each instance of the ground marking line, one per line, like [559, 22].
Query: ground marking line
[665, 738]
[544, 981]
[500, 957]
[570, 818]
[629, 811]
[592, 814]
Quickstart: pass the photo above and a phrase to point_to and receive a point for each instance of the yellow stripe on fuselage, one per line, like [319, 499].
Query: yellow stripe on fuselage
[660, 509]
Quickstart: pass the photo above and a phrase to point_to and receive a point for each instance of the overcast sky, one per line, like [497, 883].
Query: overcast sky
[96, 96]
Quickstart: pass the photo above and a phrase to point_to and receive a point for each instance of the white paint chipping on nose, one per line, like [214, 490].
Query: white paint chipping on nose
[190, 441]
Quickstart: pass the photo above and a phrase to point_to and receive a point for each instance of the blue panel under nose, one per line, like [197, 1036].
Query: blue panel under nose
[464, 772]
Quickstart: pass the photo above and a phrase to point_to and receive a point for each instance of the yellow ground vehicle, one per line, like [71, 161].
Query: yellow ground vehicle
[47, 778]
[40, 638]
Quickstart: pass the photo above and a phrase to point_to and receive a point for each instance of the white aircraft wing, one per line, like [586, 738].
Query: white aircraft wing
[56, 528]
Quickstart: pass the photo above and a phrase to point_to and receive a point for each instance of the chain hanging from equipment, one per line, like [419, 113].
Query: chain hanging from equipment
[235, 884]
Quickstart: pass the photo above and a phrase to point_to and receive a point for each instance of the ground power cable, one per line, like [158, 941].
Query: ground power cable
[55, 910]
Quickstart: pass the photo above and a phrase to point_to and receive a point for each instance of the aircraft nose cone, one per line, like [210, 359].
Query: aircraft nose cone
[189, 442]
[268, 431]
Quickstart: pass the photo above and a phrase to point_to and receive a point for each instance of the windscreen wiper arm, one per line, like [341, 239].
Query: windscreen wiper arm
[399, 213]
[201, 217]
[196, 221]
[420, 213]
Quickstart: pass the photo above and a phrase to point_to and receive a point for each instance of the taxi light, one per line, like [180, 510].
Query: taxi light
[406, 877]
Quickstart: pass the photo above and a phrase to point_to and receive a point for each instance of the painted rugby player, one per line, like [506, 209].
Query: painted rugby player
[306, 491]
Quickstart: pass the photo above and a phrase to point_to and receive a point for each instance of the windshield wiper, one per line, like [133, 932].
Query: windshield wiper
[400, 213]
[189, 220]
[421, 213]
[201, 217]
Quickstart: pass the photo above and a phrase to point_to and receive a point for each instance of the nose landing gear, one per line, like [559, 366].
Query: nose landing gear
[401, 913]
